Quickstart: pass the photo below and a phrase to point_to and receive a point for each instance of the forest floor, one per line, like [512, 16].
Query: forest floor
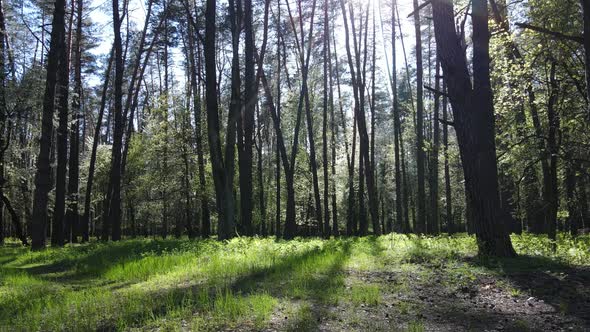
[387, 283]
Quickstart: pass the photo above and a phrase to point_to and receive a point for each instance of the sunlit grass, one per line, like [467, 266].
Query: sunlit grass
[208, 285]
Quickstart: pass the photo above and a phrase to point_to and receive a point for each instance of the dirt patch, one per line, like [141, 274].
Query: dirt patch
[427, 298]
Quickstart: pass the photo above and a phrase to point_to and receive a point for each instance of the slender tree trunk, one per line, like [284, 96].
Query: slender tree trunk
[325, 161]
[448, 193]
[421, 199]
[278, 110]
[403, 227]
[553, 147]
[88, 198]
[586, 13]
[434, 220]
[350, 219]
[334, 133]
[3, 114]
[260, 176]
[195, 70]
[310, 134]
[73, 179]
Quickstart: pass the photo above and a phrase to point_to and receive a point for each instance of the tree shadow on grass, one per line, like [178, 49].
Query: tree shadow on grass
[291, 279]
[94, 259]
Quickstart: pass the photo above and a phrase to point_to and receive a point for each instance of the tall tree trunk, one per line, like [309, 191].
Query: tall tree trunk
[260, 176]
[112, 215]
[334, 133]
[290, 224]
[586, 13]
[325, 161]
[195, 73]
[250, 102]
[3, 113]
[310, 131]
[63, 73]
[553, 149]
[434, 220]
[278, 111]
[73, 179]
[421, 199]
[358, 92]
[402, 225]
[350, 218]
[448, 193]
[88, 198]
[474, 122]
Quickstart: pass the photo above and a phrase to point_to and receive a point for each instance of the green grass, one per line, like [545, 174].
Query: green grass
[365, 294]
[210, 285]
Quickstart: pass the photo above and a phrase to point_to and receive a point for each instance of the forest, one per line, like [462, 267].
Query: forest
[294, 165]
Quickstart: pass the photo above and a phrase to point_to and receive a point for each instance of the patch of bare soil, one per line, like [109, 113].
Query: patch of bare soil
[429, 298]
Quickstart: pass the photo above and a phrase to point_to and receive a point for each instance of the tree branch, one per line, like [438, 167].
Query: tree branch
[558, 35]
[420, 7]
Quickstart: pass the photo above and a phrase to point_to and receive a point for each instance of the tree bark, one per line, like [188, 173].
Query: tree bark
[553, 150]
[250, 102]
[58, 222]
[325, 161]
[434, 219]
[402, 225]
[586, 15]
[448, 192]
[72, 216]
[88, 198]
[421, 226]
[474, 122]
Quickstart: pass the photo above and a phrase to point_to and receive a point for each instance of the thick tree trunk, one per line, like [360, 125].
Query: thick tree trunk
[62, 89]
[474, 123]
[112, 212]
[43, 172]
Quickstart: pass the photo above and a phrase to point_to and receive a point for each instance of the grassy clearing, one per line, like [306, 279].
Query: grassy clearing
[208, 285]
